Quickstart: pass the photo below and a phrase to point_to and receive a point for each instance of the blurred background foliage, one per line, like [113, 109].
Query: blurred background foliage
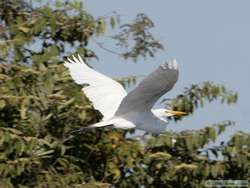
[40, 105]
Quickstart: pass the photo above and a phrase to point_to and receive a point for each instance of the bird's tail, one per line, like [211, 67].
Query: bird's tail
[103, 123]
[96, 125]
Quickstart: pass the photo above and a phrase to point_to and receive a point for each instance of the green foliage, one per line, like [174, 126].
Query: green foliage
[196, 95]
[137, 34]
[40, 105]
[23, 27]
[44, 34]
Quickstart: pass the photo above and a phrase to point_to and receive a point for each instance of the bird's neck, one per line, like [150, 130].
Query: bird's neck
[159, 112]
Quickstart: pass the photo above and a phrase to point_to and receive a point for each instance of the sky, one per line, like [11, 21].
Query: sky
[209, 39]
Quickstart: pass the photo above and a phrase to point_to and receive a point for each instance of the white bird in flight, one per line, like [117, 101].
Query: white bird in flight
[127, 110]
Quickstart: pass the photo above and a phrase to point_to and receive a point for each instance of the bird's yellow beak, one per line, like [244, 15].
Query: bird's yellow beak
[175, 113]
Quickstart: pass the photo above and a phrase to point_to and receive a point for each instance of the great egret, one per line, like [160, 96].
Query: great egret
[132, 110]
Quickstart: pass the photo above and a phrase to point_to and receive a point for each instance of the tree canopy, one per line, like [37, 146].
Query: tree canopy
[40, 105]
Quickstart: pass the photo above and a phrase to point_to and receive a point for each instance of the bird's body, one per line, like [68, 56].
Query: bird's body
[122, 110]
[146, 121]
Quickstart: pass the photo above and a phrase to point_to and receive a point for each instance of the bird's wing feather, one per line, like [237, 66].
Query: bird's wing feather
[156, 84]
[105, 93]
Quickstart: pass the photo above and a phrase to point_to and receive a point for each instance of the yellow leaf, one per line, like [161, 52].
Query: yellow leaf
[160, 156]
[186, 166]
[2, 104]
[24, 29]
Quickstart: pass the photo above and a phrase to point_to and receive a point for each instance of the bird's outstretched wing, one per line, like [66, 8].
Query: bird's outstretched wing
[105, 93]
[156, 84]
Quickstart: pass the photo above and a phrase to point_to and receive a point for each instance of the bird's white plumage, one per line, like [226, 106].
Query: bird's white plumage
[117, 122]
[122, 110]
[105, 93]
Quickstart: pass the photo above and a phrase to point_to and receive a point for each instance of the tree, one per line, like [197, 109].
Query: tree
[40, 105]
